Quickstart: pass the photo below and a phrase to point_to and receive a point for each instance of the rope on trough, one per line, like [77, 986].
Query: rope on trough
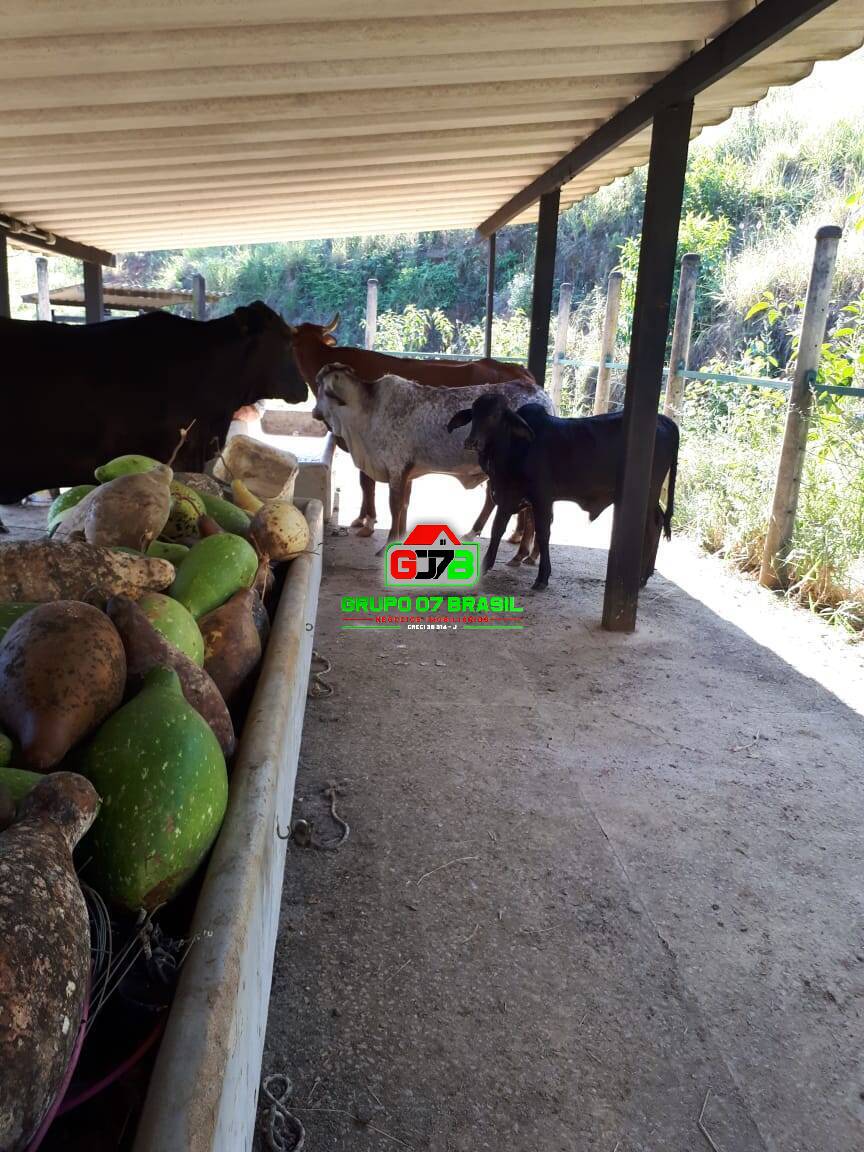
[318, 687]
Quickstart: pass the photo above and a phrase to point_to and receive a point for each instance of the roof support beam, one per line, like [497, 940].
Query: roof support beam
[5, 303]
[664, 196]
[33, 238]
[763, 26]
[544, 272]
[94, 299]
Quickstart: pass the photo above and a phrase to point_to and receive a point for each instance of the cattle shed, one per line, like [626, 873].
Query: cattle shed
[125, 298]
[137, 127]
[602, 890]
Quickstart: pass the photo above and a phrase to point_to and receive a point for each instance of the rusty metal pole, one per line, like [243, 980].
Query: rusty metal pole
[371, 312]
[679, 357]
[607, 342]
[490, 297]
[565, 297]
[782, 524]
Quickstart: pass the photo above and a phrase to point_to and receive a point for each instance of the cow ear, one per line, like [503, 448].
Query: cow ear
[517, 425]
[459, 420]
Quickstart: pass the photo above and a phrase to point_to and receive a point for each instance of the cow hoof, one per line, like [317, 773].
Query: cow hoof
[540, 585]
[472, 535]
[359, 522]
[532, 560]
[515, 561]
[365, 530]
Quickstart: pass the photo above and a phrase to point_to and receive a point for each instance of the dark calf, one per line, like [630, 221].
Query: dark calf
[534, 457]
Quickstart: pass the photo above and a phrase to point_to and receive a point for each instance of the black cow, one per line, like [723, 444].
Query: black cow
[76, 396]
[534, 457]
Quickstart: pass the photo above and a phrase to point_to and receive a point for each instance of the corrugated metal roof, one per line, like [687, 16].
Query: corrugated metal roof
[168, 124]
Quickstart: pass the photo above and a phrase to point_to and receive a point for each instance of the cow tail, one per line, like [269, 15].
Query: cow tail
[670, 498]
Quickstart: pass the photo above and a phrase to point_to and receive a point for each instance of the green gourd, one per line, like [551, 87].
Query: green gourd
[65, 502]
[226, 515]
[167, 550]
[11, 611]
[175, 623]
[216, 568]
[164, 787]
[17, 781]
[124, 466]
[6, 754]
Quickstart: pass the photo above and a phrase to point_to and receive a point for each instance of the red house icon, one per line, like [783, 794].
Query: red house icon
[429, 535]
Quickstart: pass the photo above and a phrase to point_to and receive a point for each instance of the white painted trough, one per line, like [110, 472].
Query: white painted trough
[203, 1092]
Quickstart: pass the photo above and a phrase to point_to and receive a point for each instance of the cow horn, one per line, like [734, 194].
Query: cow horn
[334, 323]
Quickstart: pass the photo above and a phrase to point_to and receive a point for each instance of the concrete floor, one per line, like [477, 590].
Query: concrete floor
[589, 877]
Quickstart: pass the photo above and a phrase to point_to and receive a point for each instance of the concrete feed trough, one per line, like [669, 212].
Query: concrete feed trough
[203, 1092]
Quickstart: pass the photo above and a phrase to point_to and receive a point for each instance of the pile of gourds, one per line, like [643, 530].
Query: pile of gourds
[127, 639]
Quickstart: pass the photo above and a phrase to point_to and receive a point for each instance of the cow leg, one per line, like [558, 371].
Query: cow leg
[366, 520]
[3, 528]
[498, 526]
[526, 518]
[403, 515]
[485, 513]
[519, 531]
[399, 490]
[650, 543]
[543, 528]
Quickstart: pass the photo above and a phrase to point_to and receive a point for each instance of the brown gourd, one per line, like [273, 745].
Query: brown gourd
[62, 671]
[232, 645]
[131, 510]
[44, 951]
[41, 570]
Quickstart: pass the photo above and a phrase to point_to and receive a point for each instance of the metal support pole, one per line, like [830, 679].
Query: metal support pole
[371, 312]
[565, 295]
[679, 357]
[94, 310]
[607, 342]
[5, 305]
[490, 297]
[544, 271]
[664, 194]
[199, 297]
[788, 484]
[43, 296]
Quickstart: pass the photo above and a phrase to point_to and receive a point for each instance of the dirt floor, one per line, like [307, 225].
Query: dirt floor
[590, 879]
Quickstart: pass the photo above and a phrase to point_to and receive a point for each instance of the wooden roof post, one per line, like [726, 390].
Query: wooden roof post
[788, 483]
[544, 272]
[94, 309]
[5, 305]
[664, 195]
[490, 297]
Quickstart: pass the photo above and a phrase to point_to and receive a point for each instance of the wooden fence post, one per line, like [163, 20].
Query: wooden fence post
[5, 302]
[199, 297]
[43, 296]
[679, 358]
[371, 311]
[565, 295]
[788, 484]
[607, 343]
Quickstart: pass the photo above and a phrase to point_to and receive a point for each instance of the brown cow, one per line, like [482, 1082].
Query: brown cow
[315, 347]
